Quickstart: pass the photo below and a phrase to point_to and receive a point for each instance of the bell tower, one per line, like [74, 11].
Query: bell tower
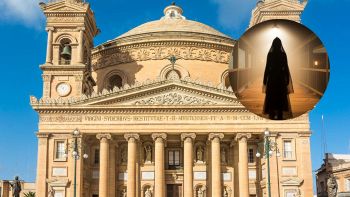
[71, 28]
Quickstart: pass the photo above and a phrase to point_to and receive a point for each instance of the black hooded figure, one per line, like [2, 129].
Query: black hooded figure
[277, 83]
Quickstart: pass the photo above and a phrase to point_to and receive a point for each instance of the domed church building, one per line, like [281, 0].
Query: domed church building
[151, 113]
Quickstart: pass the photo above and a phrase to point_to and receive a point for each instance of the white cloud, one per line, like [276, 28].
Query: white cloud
[26, 12]
[234, 14]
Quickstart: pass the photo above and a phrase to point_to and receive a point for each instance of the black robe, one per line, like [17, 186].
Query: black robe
[277, 83]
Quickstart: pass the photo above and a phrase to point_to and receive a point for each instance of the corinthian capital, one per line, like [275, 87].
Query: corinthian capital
[104, 136]
[243, 136]
[133, 136]
[184, 136]
[155, 136]
[215, 135]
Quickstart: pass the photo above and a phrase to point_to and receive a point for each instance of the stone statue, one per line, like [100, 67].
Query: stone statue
[223, 155]
[123, 193]
[148, 153]
[225, 192]
[332, 186]
[124, 156]
[148, 193]
[16, 187]
[200, 154]
[200, 192]
[51, 192]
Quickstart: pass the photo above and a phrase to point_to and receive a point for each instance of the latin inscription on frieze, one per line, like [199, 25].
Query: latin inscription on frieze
[132, 119]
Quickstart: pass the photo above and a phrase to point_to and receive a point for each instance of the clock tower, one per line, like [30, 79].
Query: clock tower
[71, 28]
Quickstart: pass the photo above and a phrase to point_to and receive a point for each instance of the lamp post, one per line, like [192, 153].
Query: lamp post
[269, 148]
[76, 156]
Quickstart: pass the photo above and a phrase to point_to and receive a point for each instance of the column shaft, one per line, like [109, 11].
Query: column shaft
[49, 46]
[159, 168]
[243, 166]
[215, 167]
[188, 163]
[81, 46]
[104, 153]
[132, 146]
[41, 176]
[112, 171]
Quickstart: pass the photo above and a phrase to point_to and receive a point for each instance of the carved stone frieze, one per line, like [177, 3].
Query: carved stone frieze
[175, 99]
[160, 53]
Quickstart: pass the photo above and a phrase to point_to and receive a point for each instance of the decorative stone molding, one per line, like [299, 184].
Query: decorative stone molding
[42, 135]
[175, 99]
[104, 136]
[159, 53]
[212, 136]
[155, 136]
[131, 136]
[243, 136]
[185, 136]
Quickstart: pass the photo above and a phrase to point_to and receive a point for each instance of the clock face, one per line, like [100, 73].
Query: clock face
[63, 89]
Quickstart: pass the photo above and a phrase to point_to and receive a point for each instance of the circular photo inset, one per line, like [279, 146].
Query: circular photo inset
[279, 69]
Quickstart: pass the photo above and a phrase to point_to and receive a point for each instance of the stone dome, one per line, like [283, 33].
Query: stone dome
[173, 22]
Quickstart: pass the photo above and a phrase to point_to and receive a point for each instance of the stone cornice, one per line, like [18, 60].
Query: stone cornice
[42, 135]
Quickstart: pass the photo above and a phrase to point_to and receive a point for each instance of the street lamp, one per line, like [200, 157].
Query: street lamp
[76, 155]
[269, 148]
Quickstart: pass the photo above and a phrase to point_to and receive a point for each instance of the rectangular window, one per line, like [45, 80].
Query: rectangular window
[251, 155]
[174, 159]
[60, 150]
[287, 149]
[97, 156]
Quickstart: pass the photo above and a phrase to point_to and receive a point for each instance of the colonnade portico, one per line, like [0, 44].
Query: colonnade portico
[159, 188]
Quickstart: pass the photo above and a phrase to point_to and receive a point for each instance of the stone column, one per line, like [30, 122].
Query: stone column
[49, 45]
[188, 163]
[132, 147]
[81, 45]
[112, 169]
[42, 174]
[243, 163]
[216, 188]
[159, 183]
[104, 157]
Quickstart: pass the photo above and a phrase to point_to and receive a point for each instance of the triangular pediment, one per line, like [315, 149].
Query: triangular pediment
[165, 93]
[63, 6]
[152, 93]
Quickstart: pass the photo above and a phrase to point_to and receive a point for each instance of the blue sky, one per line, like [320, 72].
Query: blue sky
[24, 44]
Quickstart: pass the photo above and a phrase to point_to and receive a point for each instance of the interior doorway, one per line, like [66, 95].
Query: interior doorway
[174, 190]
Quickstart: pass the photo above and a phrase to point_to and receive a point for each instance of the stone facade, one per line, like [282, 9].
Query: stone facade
[151, 127]
[339, 166]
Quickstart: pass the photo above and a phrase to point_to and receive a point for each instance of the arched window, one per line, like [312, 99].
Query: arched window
[113, 81]
[65, 52]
